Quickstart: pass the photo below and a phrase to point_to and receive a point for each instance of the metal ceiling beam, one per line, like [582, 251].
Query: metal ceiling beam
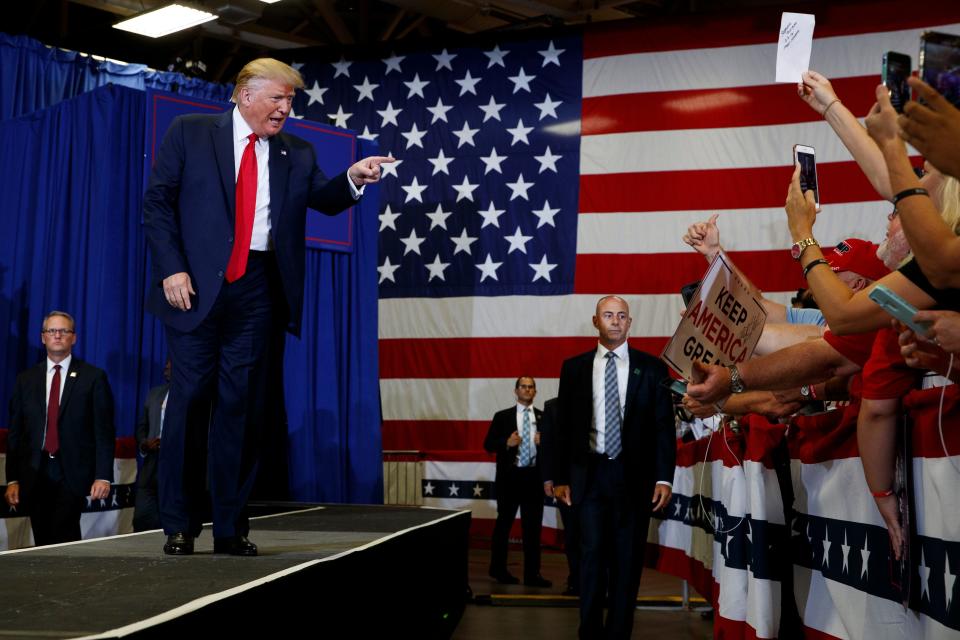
[334, 21]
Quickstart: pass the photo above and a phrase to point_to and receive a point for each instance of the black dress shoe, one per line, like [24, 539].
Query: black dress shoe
[235, 546]
[537, 581]
[504, 577]
[178, 544]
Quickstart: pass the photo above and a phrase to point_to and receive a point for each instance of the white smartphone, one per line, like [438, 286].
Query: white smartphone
[898, 308]
[806, 157]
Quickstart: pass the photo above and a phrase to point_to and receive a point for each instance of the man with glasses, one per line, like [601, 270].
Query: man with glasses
[61, 439]
[514, 437]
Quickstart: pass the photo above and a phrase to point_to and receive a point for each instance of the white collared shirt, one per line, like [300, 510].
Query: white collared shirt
[260, 239]
[64, 368]
[598, 426]
[533, 432]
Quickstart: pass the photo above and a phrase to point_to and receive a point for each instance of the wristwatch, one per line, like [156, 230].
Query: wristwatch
[805, 391]
[797, 249]
[736, 382]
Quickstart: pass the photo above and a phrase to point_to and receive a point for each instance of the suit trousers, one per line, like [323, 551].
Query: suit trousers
[54, 508]
[146, 505]
[218, 362]
[613, 533]
[520, 488]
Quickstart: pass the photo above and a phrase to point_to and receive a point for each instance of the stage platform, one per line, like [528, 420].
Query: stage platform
[323, 571]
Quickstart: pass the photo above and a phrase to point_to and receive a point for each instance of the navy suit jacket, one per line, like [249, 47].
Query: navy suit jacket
[87, 432]
[189, 205]
[648, 430]
[503, 424]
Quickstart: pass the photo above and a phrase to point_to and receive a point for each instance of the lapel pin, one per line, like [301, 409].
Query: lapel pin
[636, 372]
[73, 374]
[283, 152]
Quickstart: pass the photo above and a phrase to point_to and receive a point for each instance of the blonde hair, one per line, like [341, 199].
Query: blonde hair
[266, 69]
[949, 195]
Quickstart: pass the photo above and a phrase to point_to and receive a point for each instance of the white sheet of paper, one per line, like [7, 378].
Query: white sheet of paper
[794, 45]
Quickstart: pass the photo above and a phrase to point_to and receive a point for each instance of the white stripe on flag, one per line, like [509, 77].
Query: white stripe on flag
[452, 398]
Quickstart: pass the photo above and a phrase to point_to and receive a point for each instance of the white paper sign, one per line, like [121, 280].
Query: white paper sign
[794, 46]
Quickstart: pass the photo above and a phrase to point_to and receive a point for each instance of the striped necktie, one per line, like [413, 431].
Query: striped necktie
[611, 437]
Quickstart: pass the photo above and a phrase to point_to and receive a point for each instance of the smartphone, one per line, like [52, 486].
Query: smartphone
[687, 291]
[896, 70]
[940, 64]
[806, 157]
[679, 387]
[898, 308]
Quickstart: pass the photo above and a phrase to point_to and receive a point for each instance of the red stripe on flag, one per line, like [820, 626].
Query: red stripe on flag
[666, 272]
[760, 26]
[714, 108]
[677, 563]
[422, 435]
[709, 189]
[489, 357]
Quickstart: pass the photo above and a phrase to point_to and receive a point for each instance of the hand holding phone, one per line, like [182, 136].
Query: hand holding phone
[806, 158]
[898, 308]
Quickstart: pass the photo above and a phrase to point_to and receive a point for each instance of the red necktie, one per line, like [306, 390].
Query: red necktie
[246, 208]
[52, 442]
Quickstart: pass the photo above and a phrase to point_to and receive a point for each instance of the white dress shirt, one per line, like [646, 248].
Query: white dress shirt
[622, 361]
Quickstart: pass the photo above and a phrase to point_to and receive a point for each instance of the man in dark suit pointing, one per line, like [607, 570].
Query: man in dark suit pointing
[61, 439]
[225, 216]
[616, 449]
[514, 437]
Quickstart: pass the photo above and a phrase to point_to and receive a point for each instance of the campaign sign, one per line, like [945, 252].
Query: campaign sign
[722, 323]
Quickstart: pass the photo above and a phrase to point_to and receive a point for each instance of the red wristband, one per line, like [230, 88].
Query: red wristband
[813, 392]
[882, 494]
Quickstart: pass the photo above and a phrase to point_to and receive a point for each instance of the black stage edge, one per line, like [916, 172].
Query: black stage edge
[324, 571]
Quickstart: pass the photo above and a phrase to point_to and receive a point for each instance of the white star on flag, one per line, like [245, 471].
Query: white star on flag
[342, 68]
[519, 188]
[864, 560]
[439, 218]
[519, 133]
[439, 111]
[386, 270]
[551, 55]
[414, 136]
[454, 490]
[465, 135]
[413, 190]
[436, 268]
[428, 489]
[826, 548]
[477, 490]
[393, 63]
[521, 81]
[491, 110]
[845, 548]
[416, 86]
[390, 168]
[548, 107]
[440, 163]
[389, 115]
[948, 580]
[412, 243]
[444, 59]
[468, 84]
[491, 216]
[340, 118]
[365, 90]
[493, 162]
[462, 243]
[465, 190]
[518, 241]
[388, 219]
[496, 57]
[924, 576]
[488, 268]
[366, 135]
[548, 160]
[316, 93]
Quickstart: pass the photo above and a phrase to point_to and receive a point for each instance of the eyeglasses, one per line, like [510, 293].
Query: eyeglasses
[893, 214]
[526, 386]
[58, 332]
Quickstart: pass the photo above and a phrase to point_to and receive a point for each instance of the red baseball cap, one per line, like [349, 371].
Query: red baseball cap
[858, 256]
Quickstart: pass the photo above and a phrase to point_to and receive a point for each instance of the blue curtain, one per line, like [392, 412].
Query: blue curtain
[34, 76]
[71, 178]
[332, 372]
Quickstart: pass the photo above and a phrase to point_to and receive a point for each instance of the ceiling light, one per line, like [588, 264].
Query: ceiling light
[269, 1]
[166, 20]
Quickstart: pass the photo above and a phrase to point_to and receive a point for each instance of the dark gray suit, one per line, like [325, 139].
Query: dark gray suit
[146, 511]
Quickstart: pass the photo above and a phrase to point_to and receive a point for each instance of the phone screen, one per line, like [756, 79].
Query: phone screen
[808, 171]
[940, 64]
[896, 70]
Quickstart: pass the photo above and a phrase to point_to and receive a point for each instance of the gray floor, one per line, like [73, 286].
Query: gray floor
[534, 614]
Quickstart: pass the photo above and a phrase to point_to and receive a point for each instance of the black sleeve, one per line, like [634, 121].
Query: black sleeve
[666, 427]
[946, 298]
[105, 430]
[16, 433]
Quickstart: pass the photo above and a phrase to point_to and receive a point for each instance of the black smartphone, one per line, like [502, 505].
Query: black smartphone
[806, 157]
[896, 70]
[687, 291]
[940, 64]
